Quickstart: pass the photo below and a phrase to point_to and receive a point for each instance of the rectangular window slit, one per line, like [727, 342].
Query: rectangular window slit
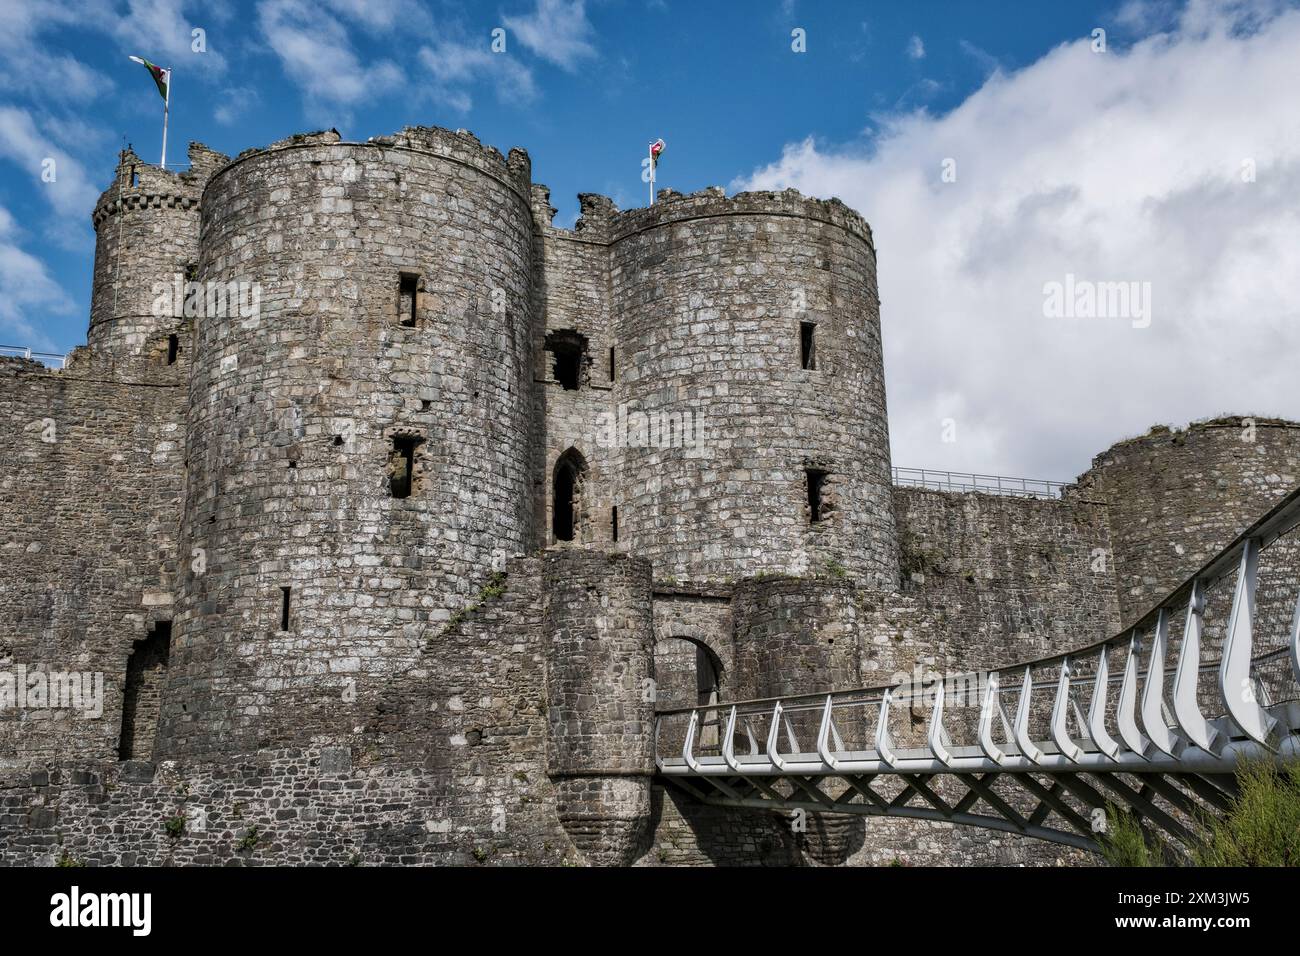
[816, 479]
[173, 348]
[611, 364]
[284, 608]
[407, 298]
[808, 344]
[613, 522]
[401, 465]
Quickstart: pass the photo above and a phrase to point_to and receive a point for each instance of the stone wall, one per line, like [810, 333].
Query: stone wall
[991, 580]
[91, 476]
[708, 294]
[1176, 498]
[297, 414]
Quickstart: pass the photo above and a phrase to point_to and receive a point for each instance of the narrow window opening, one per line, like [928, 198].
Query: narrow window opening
[135, 177]
[567, 503]
[173, 348]
[816, 480]
[285, 594]
[191, 271]
[146, 671]
[401, 465]
[808, 344]
[568, 350]
[567, 369]
[612, 375]
[613, 521]
[407, 298]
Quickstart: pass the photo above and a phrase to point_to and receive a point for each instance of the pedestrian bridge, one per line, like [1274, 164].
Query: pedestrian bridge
[1153, 721]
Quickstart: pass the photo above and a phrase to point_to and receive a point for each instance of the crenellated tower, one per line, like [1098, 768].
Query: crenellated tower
[146, 248]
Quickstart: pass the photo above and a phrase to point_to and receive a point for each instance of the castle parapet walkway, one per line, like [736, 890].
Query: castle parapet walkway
[1208, 677]
[987, 484]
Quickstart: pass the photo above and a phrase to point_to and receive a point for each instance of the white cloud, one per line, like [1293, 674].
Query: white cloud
[161, 31]
[234, 103]
[26, 290]
[916, 48]
[316, 53]
[70, 193]
[1111, 167]
[557, 31]
[380, 16]
[27, 65]
[457, 65]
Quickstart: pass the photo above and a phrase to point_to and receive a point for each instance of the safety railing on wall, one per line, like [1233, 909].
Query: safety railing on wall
[988, 484]
[53, 359]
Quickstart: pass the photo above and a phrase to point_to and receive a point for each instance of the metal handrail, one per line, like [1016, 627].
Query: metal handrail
[989, 484]
[22, 351]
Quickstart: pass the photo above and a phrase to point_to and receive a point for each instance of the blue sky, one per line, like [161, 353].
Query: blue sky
[882, 94]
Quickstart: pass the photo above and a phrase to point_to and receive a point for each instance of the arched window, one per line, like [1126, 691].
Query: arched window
[567, 499]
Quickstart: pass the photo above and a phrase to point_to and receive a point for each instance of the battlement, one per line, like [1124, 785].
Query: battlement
[458, 146]
[140, 185]
[600, 219]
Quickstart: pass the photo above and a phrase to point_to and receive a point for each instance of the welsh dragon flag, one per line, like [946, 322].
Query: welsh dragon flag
[160, 76]
[656, 149]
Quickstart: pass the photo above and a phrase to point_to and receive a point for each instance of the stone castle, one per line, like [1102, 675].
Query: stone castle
[388, 513]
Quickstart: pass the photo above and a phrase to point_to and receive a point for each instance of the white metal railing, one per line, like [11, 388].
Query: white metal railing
[1207, 677]
[989, 484]
[53, 359]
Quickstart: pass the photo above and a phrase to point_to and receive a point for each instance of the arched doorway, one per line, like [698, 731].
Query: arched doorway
[566, 499]
[688, 674]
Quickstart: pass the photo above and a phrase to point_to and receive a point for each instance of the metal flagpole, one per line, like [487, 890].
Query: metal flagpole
[167, 104]
[652, 174]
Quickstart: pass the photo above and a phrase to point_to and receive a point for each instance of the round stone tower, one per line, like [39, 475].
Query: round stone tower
[750, 334]
[359, 447]
[600, 713]
[146, 248]
[1176, 497]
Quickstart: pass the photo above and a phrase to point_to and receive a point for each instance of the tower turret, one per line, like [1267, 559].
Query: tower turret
[146, 247]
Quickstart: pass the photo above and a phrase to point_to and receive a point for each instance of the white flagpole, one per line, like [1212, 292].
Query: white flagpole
[167, 104]
[652, 174]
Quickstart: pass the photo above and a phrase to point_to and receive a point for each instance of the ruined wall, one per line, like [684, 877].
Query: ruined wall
[992, 580]
[1178, 497]
[571, 302]
[297, 412]
[91, 475]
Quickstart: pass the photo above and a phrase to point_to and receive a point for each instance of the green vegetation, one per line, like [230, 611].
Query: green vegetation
[835, 569]
[249, 841]
[1261, 829]
[175, 826]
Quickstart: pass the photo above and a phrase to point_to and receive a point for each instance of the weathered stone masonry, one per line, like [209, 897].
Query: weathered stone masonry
[392, 562]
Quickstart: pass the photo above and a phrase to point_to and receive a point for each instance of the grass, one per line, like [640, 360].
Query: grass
[1261, 829]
